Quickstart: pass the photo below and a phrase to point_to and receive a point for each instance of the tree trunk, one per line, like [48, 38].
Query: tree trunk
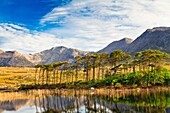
[57, 77]
[134, 70]
[87, 74]
[94, 72]
[102, 72]
[35, 76]
[61, 74]
[76, 73]
[99, 72]
[54, 77]
[46, 76]
[39, 76]
[43, 77]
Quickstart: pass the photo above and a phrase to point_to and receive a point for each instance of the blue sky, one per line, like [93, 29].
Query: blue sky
[31, 26]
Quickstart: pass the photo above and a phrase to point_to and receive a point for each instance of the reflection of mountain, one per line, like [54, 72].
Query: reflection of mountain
[14, 104]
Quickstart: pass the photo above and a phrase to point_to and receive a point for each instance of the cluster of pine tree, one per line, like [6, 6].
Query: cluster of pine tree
[99, 66]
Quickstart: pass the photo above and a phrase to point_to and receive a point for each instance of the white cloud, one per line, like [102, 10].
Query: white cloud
[88, 24]
[25, 41]
[96, 23]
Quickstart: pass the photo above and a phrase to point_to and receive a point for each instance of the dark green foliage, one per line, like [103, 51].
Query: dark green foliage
[159, 77]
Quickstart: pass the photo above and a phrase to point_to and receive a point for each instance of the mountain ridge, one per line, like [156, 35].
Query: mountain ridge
[55, 54]
[117, 45]
[156, 38]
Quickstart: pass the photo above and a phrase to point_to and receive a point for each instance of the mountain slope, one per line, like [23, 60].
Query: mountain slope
[55, 54]
[14, 58]
[156, 38]
[117, 45]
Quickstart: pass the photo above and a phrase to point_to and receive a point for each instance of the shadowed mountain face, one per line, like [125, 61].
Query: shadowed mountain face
[156, 38]
[117, 45]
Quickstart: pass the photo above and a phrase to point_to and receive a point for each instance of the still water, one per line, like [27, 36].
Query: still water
[86, 101]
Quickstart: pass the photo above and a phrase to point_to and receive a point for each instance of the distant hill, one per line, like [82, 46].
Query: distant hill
[16, 59]
[156, 38]
[117, 45]
[55, 54]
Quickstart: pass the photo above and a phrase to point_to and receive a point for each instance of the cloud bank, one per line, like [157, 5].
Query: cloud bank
[14, 37]
[88, 24]
[98, 23]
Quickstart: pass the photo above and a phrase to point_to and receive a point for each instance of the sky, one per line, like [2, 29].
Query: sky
[30, 26]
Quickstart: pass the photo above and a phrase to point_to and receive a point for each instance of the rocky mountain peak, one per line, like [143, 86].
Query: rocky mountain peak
[58, 48]
[117, 45]
[156, 38]
[55, 54]
[127, 40]
[158, 29]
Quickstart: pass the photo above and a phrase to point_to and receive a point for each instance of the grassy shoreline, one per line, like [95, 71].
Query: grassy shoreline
[64, 86]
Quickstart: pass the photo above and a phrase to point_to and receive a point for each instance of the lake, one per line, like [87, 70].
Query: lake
[86, 101]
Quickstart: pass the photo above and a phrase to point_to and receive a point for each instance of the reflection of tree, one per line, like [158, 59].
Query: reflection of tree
[63, 101]
[35, 102]
[13, 105]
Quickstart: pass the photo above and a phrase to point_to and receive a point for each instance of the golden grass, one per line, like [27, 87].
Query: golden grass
[13, 77]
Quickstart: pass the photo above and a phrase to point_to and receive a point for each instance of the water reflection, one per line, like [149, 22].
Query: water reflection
[86, 101]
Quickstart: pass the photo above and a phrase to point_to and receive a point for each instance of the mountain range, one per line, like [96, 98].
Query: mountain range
[156, 38]
[16, 59]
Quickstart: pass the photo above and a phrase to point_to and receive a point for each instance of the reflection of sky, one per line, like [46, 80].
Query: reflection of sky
[24, 110]
[26, 25]
[83, 109]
